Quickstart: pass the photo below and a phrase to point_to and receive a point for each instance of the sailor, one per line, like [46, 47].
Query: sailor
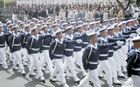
[91, 53]
[56, 53]
[103, 56]
[33, 48]
[25, 36]
[2, 47]
[78, 48]
[85, 37]
[15, 49]
[111, 60]
[46, 39]
[133, 63]
[68, 53]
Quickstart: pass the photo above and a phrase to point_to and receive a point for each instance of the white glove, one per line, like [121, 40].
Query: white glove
[138, 30]
[120, 43]
[133, 35]
[79, 41]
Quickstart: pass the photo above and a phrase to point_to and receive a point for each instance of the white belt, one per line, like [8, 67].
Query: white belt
[58, 55]
[68, 49]
[17, 45]
[85, 42]
[111, 50]
[2, 45]
[103, 54]
[94, 62]
[35, 49]
[77, 47]
[45, 46]
[136, 69]
[115, 46]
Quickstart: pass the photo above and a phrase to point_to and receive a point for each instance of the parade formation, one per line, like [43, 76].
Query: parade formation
[98, 47]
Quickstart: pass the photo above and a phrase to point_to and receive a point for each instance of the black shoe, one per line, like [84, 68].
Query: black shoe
[122, 77]
[43, 81]
[15, 69]
[24, 75]
[53, 80]
[30, 75]
[117, 83]
[90, 83]
[5, 68]
[77, 81]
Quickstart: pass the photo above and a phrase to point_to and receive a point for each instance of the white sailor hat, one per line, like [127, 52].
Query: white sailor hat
[38, 25]
[21, 23]
[10, 25]
[64, 24]
[15, 27]
[135, 39]
[9, 22]
[1, 24]
[123, 22]
[58, 31]
[92, 23]
[80, 22]
[33, 28]
[73, 22]
[69, 27]
[102, 29]
[54, 25]
[130, 20]
[79, 26]
[85, 24]
[91, 33]
[27, 25]
[43, 27]
[110, 27]
[32, 23]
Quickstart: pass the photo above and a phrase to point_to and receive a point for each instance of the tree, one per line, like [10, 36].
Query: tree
[138, 3]
[124, 6]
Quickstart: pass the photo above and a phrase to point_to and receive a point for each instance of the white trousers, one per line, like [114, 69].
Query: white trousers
[3, 57]
[46, 59]
[113, 67]
[117, 62]
[35, 62]
[69, 64]
[18, 60]
[122, 58]
[24, 55]
[59, 68]
[136, 80]
[92, 76]
[78, 61]
[104, 66]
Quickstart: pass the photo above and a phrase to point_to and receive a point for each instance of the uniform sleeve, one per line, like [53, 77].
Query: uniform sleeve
[102, 45]
[130, 61]
[86, 53]
[29, 43]
[52, 45]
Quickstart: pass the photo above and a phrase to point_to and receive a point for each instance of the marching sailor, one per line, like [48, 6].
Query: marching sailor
[56, 53]
[133, 63]
[92, 57]
[15, 49]
[33, 48]
[68, 43]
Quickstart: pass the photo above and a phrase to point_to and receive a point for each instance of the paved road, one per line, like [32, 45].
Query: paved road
[10, 78]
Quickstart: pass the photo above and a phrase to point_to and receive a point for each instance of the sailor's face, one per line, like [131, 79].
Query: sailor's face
[0, 29]
[104, 33]
[94, 39]
[60, 35]
[45, 30]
